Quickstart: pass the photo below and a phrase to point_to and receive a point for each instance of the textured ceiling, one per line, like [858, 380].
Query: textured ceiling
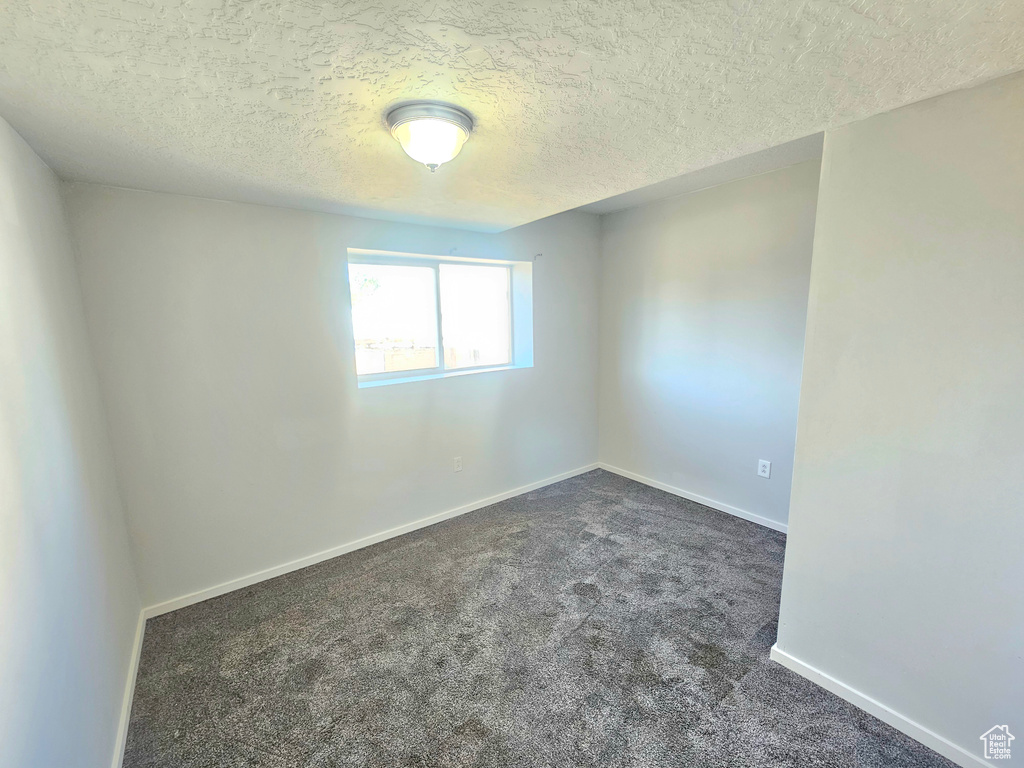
[281, 101]
[754, 164]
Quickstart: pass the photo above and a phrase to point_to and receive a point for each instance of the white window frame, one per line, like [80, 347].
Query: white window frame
[520, 286]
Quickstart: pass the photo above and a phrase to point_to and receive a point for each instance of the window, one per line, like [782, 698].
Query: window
[417, 317]
[476, 315]
[394, 317]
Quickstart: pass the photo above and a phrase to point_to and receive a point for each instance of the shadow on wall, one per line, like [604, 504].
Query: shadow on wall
[67, 586]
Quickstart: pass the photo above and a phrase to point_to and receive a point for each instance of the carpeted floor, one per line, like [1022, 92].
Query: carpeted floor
[596, 622]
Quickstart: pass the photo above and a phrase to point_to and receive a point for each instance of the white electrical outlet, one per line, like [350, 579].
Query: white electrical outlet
[458, 463]
[764, 469]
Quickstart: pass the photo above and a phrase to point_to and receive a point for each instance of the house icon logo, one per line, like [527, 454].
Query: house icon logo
[997, 742]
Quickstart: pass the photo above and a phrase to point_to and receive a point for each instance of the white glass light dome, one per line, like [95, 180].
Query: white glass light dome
[430, 133]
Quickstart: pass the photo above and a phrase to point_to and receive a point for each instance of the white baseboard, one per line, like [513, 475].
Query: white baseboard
[720, 506]
[327, 554]
[918, 732]
[129, 692]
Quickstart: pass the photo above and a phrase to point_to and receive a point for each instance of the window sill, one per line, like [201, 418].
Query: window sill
[370, 383]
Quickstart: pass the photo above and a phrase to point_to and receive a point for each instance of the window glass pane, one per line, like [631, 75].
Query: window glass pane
[394, 317]
[475, 316]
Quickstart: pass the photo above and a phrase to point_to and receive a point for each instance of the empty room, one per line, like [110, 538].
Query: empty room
[553, 384]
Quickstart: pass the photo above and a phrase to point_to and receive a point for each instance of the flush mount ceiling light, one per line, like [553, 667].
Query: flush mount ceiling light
[430, 133]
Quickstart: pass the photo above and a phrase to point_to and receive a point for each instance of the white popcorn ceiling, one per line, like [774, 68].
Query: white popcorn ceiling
[282, 101]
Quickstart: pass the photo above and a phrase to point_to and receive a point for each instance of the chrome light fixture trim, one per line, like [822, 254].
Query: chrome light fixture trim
[435, 144]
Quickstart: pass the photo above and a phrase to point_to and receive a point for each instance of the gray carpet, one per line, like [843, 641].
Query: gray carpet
[596, 622]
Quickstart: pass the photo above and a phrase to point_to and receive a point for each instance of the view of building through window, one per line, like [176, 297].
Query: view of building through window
[395, 321]
[394, 317]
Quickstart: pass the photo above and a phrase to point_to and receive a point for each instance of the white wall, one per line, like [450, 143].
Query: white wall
[905, 558]
[703, 301]
[68, 602]
[242, 443]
